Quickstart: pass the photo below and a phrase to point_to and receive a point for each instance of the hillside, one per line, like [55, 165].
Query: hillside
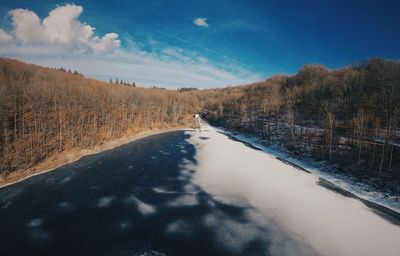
[46, 114]
[347, 117]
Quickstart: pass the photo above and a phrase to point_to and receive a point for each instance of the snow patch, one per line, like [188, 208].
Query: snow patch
[65, 206]
[124, 226]
[179, 227]
[164, 152]
[163, 190]
[184, 201]
[35, 223]
[190, 188]
[143, 208]
[105, 201]
[232, 234]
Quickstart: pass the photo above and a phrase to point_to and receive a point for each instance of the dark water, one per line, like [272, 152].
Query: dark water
[116, 203]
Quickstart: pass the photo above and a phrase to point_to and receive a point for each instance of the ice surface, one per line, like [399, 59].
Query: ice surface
[358, 188]
[287, 200]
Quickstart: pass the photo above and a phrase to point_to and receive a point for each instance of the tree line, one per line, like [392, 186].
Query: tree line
[348, 117]
[44, 112]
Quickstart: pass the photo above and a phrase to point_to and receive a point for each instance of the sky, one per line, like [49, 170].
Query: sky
[197, 43]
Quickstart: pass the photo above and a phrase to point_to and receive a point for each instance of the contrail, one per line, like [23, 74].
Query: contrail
[204, 48]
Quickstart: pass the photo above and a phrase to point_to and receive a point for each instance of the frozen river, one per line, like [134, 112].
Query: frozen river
[189, 193]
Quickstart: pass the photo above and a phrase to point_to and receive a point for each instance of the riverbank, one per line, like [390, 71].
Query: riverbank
[66, 157]
[321, 169]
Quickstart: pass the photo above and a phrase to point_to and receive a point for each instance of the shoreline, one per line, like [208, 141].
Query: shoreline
[316, 169]
[67, 157]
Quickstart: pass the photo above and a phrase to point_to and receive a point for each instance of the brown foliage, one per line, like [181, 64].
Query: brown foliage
[45, 111]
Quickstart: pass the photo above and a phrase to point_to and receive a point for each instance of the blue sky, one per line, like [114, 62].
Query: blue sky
[200, 43]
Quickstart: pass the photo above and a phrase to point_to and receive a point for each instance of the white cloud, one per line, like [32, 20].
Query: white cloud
[201, 22]
[26, 26]
[61, 39]
[108, 43]
[4, 36]
[60, 28]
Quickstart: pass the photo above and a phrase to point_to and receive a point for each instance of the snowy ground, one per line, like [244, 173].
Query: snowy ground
[360, 189]
[285, 206]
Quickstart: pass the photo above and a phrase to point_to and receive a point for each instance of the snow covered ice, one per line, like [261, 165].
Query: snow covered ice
[305, 217]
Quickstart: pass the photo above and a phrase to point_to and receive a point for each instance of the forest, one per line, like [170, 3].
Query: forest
[347, 118]
[45, 111]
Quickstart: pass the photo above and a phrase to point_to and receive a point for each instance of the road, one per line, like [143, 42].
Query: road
[187, 193]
